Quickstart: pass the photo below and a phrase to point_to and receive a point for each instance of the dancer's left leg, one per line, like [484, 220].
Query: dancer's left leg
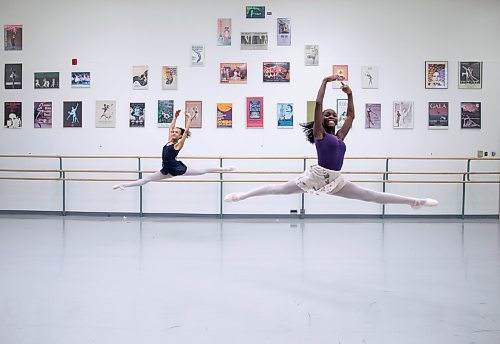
[199, 171]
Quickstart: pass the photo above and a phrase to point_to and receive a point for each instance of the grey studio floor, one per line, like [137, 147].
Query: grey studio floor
[83, 279]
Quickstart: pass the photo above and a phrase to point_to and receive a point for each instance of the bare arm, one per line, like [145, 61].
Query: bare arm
[180, 144]
[172, 125]
[342, 133]
[318, 130]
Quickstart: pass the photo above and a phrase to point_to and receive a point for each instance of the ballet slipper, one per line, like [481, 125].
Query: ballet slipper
[119, 186]
[426, 202]
[232, 197]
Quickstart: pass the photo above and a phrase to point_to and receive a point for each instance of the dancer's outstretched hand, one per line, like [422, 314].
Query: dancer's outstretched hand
[347, 90]
[177, 113]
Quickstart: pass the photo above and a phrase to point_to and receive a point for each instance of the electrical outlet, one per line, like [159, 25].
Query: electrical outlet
[485, 153]
[293, 211]
[480, 153]
[493, 153]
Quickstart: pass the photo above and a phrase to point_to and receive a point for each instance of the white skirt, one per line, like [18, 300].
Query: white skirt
[319, 180]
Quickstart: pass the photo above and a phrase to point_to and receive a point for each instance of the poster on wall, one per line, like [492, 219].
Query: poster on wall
[105, 114]
[46, 80]
[341, 112]
[224, 31]
[13, 115]
[284, 31]
[285, 115]
[72, 114]
[197, 55]
[42, 115]
[470, 74]
[140, 77]
[402, 115]
[255, 112]
[194, 108]
[438, 115]
[253, 41]
[224, 115]
[310, 106]
[276, 72]
[369, 77]
[13, 77]
[169, 77]
[13, 37]
[255, 12]
[233, 73]
[311, 55]
[80, 79]
[436, 74]
[165, 112]
[342, 73]
[470, 115]
[137, 115]
[373, 115]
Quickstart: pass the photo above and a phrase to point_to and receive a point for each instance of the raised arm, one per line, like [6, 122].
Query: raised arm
[172, 124]
[180, 144]
[318, 130]
[342, 133]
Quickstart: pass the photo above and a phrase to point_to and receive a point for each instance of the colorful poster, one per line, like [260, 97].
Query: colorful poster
[169, 77]
[341, 112]
[197, 55]
[255, 112]
[470, 74]
[46, 80]
[276, 72]
[438, 115]
[470, 113]
[140, 77]
[224, 115]
[80, 79]
[311, 105]
[194, 107]
[369, 77]
[253, 40]
[403, 115]
[72, 114]
[13, 77]
[13, 115]
[13, 37]
[284, 31]
[436, 74]
[285, 115]
[253, 12]
[373, 115]
[42, 114]
[105, 114]
[342, 72]
[233, 73]
[224, 31]
[311, 55]
[165, 113]
[137, 115]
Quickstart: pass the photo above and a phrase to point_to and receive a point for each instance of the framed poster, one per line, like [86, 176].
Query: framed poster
[254, 41]
[13, 37]
[42, 116]
[310, 106]
[373, 116]
[197, 56]
[311, 55]
[46, 80]
[402, 115]
[13, 115]
[140, 77]
[80, 79]
[470, 115]
[72, 114]
[233, 73]
[255, 112]
[165, 113]
[253, 12]
[438, 115]
[137, 115]
[436, 74]
[13, 77]
[276, 72]
[224, 31]
[341, 112]
[284, 31]
[369, 77]
[342, 72]
[224, 115]
[105, 113]
[470, 74]
[169, 77]
[285, 115]
[194, 107]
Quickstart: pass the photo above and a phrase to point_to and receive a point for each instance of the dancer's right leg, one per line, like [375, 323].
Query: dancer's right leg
[149, 178]
[287, 188]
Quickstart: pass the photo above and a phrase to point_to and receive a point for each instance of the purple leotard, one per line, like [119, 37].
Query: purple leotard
[331, 151]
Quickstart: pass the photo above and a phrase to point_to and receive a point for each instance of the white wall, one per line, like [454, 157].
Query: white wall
[109, 37]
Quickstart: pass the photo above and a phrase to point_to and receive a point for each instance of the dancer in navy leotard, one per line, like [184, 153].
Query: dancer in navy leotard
[330, 147]
[172, 167]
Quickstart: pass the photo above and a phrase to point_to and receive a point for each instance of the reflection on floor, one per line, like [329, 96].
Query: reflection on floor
[112, 280]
